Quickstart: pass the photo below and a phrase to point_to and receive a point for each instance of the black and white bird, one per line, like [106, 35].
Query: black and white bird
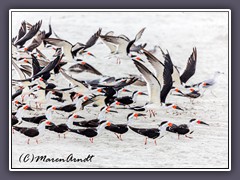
[123, 45]
[34, 132]
[153, 133]
[187, 129]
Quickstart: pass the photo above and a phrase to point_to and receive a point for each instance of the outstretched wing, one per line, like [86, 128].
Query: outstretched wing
[191, 67]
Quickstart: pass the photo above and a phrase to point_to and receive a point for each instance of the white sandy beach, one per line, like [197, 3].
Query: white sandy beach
[178, 32]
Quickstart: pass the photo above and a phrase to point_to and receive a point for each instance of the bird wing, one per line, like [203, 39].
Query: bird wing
[51, 65]
[22, 31]
[32, 32]
[157, 65]
[93, 39]
[153, 85]
[21, 75]
[85, 67]
[67, 46]
[191, 67]
[36, 41]
[74, 81]
[35, 65]
[167, 82]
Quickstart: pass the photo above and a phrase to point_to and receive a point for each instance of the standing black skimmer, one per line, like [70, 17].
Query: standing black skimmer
[185, 129]
[120, 129]
[127, 100]
[34, 132]
[95, 122]
[60, 129]
[153, 133]
[91, 132]
[123, 45]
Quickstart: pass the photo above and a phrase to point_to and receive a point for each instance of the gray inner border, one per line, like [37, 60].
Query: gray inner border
[5, 6]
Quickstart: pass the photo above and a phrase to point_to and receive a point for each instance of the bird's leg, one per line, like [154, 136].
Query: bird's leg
[64, 136]
[120, 137]
[188, 137]
[22, 96]
[91, 140]
[145, 141]
[58, 136]
[36, 141]
[116, 135]
[155, 142]
[178, 136]
[28, 141]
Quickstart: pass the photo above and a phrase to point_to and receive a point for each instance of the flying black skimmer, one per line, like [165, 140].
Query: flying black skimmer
[81, 47]
[91, 132]
[120, 129]
[188, 72]
[152, 133]
[186, 129]
[70, 50]
[84, 67]
[154, 90]
[123, 45]
[24, 36]
[192, 95]
[34, 132]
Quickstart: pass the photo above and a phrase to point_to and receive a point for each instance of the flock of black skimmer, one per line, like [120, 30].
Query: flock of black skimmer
[38, 95]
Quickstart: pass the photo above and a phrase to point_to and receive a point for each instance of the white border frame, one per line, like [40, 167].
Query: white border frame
[119, 10]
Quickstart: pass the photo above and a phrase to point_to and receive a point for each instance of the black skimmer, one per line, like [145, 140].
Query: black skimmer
[24, 36]
[95, 122]
[84, 67]
[127, 100]
[192, 95]
[120, 129]
[60, 129]
[34, 132]
[35, 119]
[185, 129]
[46, 70]
[153, 133]
[22, 111]
[123, 45]
[188, 72]
[81, 47]
[91, 132]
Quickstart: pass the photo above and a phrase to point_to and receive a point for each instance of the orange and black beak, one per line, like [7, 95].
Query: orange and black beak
[141, 114]
[142, 93]
[78, 116]
[125, 90]
[201, 122]
[28, 108]
[90, 54]
[177, 107]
